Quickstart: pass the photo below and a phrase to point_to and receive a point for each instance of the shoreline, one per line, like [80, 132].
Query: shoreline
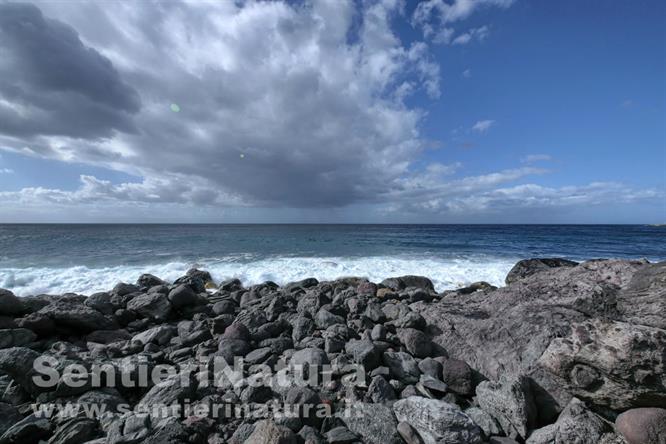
[552, 355]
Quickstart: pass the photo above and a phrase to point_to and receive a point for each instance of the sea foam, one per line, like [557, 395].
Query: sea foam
[445, 273]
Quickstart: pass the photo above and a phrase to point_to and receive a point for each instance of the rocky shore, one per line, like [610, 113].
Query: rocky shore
[564, 353]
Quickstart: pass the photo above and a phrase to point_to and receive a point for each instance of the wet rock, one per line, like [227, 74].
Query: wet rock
[529, 267]
[511, 403]
[643, 425]
[437, 422]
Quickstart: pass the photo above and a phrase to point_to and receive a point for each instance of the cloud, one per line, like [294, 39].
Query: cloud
[435, 18]
[483, 126]
[6, 171]
[312, 96]
[532, 158]
[55, 85]
[467, 73]
[478, 34]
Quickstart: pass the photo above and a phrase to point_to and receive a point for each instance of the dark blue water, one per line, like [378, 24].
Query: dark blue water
[36, 258]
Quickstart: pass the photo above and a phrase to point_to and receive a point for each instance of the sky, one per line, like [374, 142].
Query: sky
[387, 111]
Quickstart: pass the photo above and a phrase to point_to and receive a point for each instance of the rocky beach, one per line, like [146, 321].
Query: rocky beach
[565, 352]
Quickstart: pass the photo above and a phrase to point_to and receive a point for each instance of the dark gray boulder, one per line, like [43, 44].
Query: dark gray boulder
[16, 337]
[30, 430]
[71, 314]
[529, 267]
[151, 305]
[10, 305]
[148, 280]
[183, 296]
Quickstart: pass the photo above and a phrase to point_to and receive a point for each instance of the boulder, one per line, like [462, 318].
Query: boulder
[529, 267]
[9, 415]
[576, 425]
[415, 342]
[458, 376]
[612, 364]
[160, 335]
[643, 301]
[400, 283]
[29, 430]
[511, 403]
[643, 425]
[75, 430]
[402, 366]
[10, 305]
[18, 362]
[437, 422]
[505, 331]
[374, 423]
[16, 337]
[364, 352]
[309, 356]
[325, 319]
[267, 432]
[183, 296]
[147, 280]
[151, 305]
[72, 315]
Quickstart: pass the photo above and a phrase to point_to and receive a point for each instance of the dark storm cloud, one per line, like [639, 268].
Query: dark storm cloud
[53, 84]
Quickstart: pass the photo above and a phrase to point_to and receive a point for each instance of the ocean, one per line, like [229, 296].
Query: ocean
[54, 259]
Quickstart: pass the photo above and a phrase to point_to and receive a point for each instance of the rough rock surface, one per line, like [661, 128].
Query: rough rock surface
[437, 421]
[564, 353]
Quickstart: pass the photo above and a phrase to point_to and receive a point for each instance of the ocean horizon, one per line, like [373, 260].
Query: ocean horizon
[86, 258]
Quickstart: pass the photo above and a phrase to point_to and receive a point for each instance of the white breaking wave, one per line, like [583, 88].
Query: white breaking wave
[445, 273]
